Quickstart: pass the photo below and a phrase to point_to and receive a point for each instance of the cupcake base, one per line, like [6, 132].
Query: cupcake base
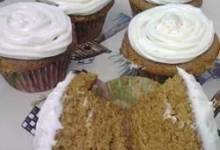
[196, 66]
[89, 27]
[159, 78]
[35, 75]
[138, 6]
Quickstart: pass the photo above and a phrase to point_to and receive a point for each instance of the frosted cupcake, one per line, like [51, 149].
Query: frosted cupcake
[88, 15]
[141, 5]
[35, 45]
[161, 38]
[176, 115]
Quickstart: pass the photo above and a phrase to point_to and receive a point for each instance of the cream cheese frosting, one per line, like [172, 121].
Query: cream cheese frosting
[31, 30]
[171, 34]
[168, 1]
[49, 115]
[79, 7]
[203, 111]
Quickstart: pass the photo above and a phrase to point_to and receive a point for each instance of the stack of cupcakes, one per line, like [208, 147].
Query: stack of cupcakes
[162, 38]
[35, 45]
[87, 15]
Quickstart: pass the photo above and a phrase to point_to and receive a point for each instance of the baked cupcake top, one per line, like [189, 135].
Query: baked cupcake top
[79, 7]
[168, 1]
[174, 33]
[31, 30]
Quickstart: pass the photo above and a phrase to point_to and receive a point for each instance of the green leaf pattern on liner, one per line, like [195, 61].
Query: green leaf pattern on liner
[126, 90]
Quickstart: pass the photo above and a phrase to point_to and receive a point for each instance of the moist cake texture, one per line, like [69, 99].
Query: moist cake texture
[89, 123]
[168, 116]
[163, 119]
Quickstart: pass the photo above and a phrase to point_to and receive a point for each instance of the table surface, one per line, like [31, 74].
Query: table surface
[15, 105]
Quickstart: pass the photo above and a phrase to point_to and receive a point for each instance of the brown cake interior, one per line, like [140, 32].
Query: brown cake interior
[160, 120]
[89, 123]
[155, 128]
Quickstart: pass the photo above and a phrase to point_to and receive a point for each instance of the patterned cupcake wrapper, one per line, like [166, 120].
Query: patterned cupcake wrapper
[89, 30]
[40, 79]
[134, 9]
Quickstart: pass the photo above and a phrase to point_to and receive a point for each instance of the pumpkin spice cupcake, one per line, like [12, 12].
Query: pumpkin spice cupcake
[87, 15]
[138, 6]
[140, 114]
[35, 45]
[164, 37]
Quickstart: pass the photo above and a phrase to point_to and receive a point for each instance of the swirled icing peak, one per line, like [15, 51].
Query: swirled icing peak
[173, 33]
[79, 7]
[31, 30]
[168, 1]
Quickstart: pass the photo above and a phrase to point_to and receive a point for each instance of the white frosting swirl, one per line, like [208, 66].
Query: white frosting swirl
[31, 30]
[173, 33]
[79, 7]
[168, 1]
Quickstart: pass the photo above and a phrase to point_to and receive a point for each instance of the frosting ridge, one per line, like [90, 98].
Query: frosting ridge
[173, 33]
[49, 122]
[79, 7]
[203, 111]
[31, 30]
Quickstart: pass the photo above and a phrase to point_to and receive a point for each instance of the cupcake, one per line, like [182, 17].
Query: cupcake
[176, 115]
[87, 15]
[138, 6]
[161, 38]
[35, 45]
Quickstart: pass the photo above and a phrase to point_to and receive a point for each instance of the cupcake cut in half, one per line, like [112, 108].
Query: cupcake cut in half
[35, 45]
[138, 6]
[161, 38]
[174, 115]
[87, 15]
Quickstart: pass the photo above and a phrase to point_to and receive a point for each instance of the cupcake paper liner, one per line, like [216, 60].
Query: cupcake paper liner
[138, 6]
[126, 90]
[89, 30]
[134, 9]
[42, 78]
[89, 27]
